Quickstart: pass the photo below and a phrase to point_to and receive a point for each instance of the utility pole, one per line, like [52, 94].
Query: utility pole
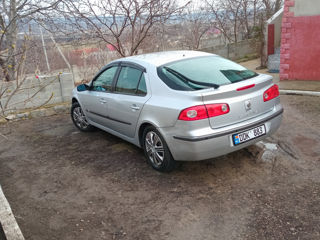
[63, 57]
[44, 49]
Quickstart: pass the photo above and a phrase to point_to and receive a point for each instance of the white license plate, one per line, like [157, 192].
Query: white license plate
[248, 135]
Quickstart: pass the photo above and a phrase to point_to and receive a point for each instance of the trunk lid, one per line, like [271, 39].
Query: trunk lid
[244, 104]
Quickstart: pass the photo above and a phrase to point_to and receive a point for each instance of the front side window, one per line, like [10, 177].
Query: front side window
[103, 82]
[131, 81]
[202, 72]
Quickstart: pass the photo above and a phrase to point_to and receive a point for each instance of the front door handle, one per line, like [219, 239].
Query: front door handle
[102, 100]
[135, 107]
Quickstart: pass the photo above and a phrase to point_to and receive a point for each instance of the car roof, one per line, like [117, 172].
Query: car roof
[160, 58]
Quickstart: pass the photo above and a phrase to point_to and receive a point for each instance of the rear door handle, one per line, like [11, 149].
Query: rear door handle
[135, 107]
[102, 100]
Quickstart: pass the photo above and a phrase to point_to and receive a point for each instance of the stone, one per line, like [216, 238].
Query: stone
[23, 115]
[3, 120]
[38, 113]
[267, 157]
[256, 149]
[263, 152]
[11, 117]
[284, 76]
[50, 111]
[61, 108]
[270, 146]
[289, 3]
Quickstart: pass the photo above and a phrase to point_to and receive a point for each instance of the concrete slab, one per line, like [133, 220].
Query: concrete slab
[8, 221]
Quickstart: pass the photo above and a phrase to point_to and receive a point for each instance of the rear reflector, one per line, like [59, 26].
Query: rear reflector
[204, 111]
[271, 93]
[246, 87]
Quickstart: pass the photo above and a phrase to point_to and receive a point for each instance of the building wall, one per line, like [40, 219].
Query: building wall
[277, 30]
[306, 8]
[276, 20]
[300, 40]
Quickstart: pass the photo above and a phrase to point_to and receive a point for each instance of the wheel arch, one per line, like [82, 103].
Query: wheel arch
[74, 100]
[142, 127]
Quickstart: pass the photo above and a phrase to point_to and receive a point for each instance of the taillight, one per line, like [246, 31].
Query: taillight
[204, 111]
[217, 109]
[271, 93]
[193, 113]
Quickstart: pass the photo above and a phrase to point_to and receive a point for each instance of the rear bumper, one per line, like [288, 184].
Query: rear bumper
[195, 148]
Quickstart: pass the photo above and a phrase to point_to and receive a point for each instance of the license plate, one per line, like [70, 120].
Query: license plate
[248, 135]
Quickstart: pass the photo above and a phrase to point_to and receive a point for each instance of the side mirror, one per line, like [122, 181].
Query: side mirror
[82, 87]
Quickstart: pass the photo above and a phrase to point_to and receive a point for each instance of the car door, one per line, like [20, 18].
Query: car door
[127, 100]
[95, 101]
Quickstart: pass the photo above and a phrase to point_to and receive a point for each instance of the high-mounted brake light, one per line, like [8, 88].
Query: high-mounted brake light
[204, 111]
[246, 87]
[271, 93]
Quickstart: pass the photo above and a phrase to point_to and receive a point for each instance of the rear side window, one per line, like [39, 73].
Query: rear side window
[202, 72]
[142, 88]
[131, 81]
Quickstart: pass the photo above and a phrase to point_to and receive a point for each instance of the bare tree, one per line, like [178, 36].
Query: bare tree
[226, 16]
[196, 23]
[10, 90]
[234, 17]
[243, 17]
[123, 24]
[12, 14]
[247, 17]
[271, 7]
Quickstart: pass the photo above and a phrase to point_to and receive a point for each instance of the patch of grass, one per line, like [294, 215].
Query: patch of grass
[247, 58]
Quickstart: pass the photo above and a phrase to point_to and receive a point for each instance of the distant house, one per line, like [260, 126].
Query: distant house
[293, 40]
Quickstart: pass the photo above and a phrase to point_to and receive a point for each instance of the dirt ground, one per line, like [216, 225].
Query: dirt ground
[63, 184]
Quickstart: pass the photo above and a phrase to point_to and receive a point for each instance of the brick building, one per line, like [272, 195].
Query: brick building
[294, 36]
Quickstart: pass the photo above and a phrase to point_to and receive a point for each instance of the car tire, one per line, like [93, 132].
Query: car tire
[156, 150]
[79, 119]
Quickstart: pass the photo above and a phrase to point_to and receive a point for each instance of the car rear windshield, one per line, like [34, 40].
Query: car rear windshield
[202, 72]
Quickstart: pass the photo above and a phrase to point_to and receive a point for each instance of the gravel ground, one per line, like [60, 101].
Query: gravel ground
[63, 184]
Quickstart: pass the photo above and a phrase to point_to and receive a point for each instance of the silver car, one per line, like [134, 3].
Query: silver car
[179, 105]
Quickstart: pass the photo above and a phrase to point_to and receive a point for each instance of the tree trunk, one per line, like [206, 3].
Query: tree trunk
[263, 53]
[12, 39]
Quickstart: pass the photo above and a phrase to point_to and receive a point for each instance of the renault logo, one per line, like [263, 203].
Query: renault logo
[247, 105]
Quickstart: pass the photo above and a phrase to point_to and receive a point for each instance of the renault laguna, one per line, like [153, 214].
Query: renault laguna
[179, 105]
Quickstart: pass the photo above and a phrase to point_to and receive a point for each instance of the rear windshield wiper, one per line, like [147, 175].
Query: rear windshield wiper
[255, 75]
[188, 80]
[236, 76]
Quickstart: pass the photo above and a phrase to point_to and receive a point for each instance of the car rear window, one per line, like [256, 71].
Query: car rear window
[202, 72]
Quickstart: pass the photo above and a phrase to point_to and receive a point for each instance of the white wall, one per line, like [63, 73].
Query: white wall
[306, 8]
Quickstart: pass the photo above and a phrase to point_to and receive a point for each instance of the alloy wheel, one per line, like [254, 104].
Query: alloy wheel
[79, 118]
[154, 148]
